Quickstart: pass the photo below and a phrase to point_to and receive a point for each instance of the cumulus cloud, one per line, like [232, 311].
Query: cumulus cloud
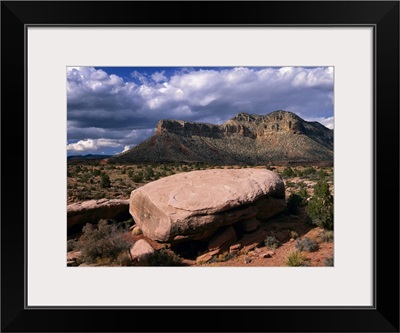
[125, 149]
[327, 122]
[159, 76]
[104, 106]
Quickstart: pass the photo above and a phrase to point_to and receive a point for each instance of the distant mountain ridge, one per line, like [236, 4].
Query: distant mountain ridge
[279, 137]
[87, 157]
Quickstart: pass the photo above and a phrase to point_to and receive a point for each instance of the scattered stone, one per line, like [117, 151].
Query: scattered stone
[235, 248]
[267, 254]
[250, 247]
[73, 255]
[247, 260]
[223, 240]
[194, 205]
[141, 250]
[206, 257]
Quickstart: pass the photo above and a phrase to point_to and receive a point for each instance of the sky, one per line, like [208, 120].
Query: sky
[112, 109]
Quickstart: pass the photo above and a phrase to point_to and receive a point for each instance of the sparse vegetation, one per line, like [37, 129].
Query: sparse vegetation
[306, 244]
[288, 172]
[328, 261]
[85, 182]
[225, 256]
[105, 181]
[102, 242]
[294, 259]
[271, 242]
[164, 257]
[320, 207]
[328, 236]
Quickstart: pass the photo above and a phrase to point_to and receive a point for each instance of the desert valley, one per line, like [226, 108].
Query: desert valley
[254, 191]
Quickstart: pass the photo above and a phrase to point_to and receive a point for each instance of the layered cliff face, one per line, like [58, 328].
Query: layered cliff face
[278, 137]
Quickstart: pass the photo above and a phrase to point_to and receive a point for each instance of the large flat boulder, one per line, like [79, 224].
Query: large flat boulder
[91, 211]
[194, 205]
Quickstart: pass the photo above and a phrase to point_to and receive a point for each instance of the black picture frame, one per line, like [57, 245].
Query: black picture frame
[383, 16]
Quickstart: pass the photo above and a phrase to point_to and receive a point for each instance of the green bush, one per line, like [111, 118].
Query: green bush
[105, 181]
[288, 172]
[320, 207]
[138, 178]
[293, 203]
[104, 241]
[149, 172]
[309, 171]
[322, 174]
[306, 244]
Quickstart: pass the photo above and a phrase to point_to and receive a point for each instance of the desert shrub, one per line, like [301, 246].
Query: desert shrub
[294, 259]
[298, 172]
[149, 172]
[225, 256]
[138, 177]
[328, 261]
[328, 236]
[123, 171]
[294, 202]
[294, 234]
[306, 244]
[290, 184]
[164, 257]
[71, 244]
[322, 174]
[320, 207]
[288, 172]
[96, 172]
[271, 242]
[309, 171]
[105, 181]
[104, 241]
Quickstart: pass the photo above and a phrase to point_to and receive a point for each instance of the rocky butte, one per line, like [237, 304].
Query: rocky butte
[280, 137]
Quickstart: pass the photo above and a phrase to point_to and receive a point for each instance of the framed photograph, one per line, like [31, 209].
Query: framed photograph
[235, 160]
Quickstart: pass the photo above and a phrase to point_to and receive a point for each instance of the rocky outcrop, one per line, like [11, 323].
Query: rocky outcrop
[91, 211]
[194, 205]
[279, 137]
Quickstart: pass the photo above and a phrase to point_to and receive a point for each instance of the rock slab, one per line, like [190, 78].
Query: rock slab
[194, 205]
[91, 211]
